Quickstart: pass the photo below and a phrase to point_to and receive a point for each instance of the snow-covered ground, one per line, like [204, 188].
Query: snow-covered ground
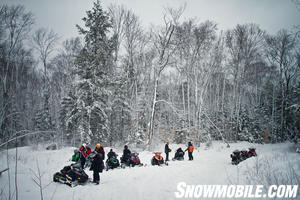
[210, 166]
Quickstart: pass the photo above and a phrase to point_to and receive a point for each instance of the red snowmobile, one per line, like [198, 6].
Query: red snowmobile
[251, 152]
[238, 156]
[157, 159]
[132, 161]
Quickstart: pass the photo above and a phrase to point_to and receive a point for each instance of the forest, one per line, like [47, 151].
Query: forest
[119, 83]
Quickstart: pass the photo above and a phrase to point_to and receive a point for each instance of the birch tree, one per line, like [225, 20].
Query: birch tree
[163, 44]
[282, 52]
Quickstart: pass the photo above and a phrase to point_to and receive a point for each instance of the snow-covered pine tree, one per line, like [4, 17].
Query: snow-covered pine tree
[120, 118]
[94, 70]
[68, 122]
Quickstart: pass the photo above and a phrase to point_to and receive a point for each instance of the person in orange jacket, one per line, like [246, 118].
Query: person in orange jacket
[190, 150]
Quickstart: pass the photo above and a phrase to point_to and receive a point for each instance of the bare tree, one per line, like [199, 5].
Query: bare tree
[163, 45]
[15, 24]
[44, 42]
[38, 179]
[244, 44]
[18, 25]
[117, 14]
[282, 52]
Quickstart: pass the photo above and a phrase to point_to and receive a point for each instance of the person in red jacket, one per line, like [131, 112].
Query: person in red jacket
[84, 150]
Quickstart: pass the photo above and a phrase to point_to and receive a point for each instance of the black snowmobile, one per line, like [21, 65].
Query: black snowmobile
[112, 162]
[179, 155]
[235, 157]
[71, 175]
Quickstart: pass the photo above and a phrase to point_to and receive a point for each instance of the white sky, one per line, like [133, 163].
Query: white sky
[271, 15]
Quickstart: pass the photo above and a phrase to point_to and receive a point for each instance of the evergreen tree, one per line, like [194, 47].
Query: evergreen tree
[94, 70]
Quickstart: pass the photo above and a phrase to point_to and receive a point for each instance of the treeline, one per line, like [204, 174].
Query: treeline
[183, 80]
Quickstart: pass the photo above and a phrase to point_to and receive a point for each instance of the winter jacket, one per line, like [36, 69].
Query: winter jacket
[167, 149]
[84, 151]
[101, 150]
[126, 153]
[97, 161]
[190, 148]
[111, 154]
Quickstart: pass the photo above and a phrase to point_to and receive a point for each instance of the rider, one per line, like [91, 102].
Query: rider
[111, 154]
[178, 152]
[126, 154]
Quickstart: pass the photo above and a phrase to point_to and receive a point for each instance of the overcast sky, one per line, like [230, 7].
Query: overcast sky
[271, 15]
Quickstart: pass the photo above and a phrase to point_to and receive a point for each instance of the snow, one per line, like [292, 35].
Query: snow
[211, 166]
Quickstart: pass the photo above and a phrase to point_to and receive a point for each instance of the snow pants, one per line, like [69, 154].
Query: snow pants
[191, 156]
[82, 162]
[96, 176]
[167, 156]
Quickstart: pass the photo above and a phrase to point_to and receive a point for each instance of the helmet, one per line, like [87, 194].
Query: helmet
[98, 146]
[84, 144]
[125, 147]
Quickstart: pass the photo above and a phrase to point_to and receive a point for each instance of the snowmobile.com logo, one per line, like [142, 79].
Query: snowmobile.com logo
[235, 191]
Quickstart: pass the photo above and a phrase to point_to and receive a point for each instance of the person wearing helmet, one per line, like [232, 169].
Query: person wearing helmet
[126, 154]
[97, 163]
[111, 154]
[82, 155]
[100, 149]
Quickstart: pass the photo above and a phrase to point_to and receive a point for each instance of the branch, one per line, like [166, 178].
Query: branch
[21, 136]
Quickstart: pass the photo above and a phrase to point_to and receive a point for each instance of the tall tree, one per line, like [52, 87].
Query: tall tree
[283, 53]
[94, 69]
[15, 61]
[244, 44]
[162, 41]
[44, 42]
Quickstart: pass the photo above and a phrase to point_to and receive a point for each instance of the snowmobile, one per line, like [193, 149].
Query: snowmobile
[235, 157]
[132, 161]
[244, 154]
[157, 159]
[251, 152]
[112, 163]
[71, 175]
[179, 155]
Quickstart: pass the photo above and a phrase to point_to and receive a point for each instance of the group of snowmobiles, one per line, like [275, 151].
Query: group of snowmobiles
[74, 174]
[238, 156]
[113, 162]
